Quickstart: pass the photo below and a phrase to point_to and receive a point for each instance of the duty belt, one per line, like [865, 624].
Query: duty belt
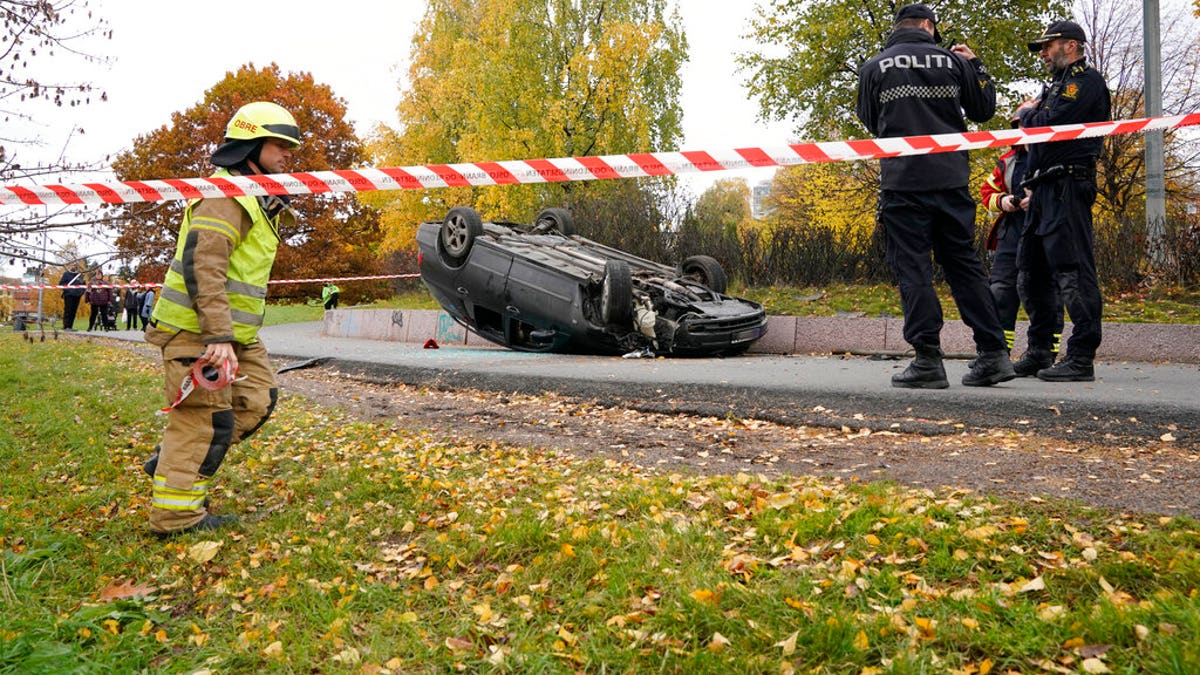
[1077, 171]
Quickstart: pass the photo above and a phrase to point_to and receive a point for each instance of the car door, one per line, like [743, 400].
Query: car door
[480, 285]
[540, 296]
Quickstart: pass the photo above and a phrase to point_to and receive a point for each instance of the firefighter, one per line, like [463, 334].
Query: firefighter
[1002, 195]
[1056, 249]
[913, 87]
[210, 310]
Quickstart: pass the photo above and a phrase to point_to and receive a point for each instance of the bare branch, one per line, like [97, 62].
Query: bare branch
[32, 33]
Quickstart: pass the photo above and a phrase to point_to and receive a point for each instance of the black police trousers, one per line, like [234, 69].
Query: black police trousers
[941, 223]
[1009, 297]
[70, 307]
[1057, 253]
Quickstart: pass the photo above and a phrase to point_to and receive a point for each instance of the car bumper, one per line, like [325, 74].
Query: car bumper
[716, 335]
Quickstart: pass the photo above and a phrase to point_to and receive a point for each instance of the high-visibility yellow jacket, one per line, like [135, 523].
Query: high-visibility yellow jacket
[217, 283]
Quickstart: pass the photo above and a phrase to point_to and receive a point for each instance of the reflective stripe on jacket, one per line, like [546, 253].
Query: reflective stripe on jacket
[1005, 180]
[246, 277]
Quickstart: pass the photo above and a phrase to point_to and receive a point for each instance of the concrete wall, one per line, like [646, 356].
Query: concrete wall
[1178, 343]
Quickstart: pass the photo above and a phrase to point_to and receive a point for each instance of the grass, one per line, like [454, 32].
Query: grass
[367, 550]
[1155, 305]
[295, 312]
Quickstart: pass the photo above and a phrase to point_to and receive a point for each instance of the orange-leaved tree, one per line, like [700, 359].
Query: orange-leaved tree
[335, 235]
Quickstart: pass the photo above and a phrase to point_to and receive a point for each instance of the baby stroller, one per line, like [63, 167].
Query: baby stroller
[108, 317]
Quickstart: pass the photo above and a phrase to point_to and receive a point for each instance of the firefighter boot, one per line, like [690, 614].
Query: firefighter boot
[991, 367]
[1033, 360]
[151, 464]
[925, 371]
[208, 523]
[1070, 369]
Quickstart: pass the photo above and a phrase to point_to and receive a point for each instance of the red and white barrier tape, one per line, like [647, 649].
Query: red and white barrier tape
[205, 376]
[6, 287]
[372, 278]
[565, 169]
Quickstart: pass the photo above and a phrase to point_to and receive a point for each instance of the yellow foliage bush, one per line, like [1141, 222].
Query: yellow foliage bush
[826, 196]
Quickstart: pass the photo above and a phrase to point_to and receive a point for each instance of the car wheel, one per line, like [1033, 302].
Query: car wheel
[616, 294]
[705, 270]
[555, 220]
[459, 229]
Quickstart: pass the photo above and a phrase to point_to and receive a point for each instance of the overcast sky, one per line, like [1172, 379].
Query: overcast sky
[163, 58]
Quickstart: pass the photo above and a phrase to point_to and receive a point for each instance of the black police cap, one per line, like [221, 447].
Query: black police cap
[918, 11]
[1059, 30]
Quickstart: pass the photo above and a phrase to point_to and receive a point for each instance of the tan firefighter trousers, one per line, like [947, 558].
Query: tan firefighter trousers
[203, 426]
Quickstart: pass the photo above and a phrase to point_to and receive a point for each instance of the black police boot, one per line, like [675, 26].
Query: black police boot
[208, 523]
[1033, 360]
[925, 372]
[1069, 370]
[991, 367]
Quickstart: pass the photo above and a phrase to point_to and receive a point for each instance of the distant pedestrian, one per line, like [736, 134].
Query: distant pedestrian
[1057, 249]
[133, 310]
[915, 87]
[146, 303]
[73, 277]
[99, 296]
[330, 295]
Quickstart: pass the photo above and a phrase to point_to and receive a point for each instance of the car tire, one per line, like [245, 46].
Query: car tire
[705, 270]
[555, 220]
[616, 294]
[459, 229]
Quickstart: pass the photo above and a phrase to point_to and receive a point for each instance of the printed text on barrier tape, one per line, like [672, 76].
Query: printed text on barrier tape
[565, 169]
[7, 287]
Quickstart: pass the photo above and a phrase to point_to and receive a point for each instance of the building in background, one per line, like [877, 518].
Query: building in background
[759, 206]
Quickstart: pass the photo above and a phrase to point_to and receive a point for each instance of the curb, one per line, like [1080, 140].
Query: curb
[1140, 342]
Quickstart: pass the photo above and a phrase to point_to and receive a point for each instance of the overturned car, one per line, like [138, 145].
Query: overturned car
[542, 288]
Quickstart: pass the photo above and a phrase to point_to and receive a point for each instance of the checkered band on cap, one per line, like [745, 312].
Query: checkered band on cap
[919, 91]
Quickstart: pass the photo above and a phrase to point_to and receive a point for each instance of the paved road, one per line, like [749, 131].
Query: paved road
[1129, 404]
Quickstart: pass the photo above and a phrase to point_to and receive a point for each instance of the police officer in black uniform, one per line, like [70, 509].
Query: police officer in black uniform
[1056, 249]
[73, 277]
[916, 87]
[1003, 195]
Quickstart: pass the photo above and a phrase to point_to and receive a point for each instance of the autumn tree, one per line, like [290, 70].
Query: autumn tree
[1116, 51]
[806, 70]
[718, 224]
[823, 195]
[724, 206]
[335, 235]
[806, 66]
[34, 34]
[821, 226]
[524, 79]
